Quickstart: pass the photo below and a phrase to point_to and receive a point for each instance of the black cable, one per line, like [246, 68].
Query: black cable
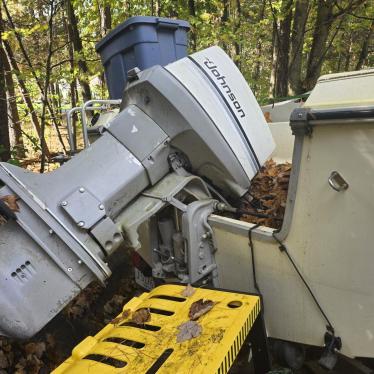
[283, 248]
[253, 263]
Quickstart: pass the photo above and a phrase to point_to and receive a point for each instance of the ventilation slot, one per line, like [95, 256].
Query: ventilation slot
[128, 342]
[171, 298]
[24, 272]
[142, 327]
[161, 311]
[160, 361]
[106, 360]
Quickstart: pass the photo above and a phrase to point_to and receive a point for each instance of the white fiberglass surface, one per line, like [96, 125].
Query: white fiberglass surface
[240, 121]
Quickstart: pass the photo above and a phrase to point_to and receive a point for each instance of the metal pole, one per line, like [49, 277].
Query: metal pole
[69, 116]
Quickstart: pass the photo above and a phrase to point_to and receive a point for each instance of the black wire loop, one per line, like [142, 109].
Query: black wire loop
[283, 248]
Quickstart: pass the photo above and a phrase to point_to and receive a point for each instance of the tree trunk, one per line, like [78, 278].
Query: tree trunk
[237, 45]
[348, 54]
[159, 8]
[340, 60]
[105, 27]
[297, 42]
[33, 72]
[73, 83]
[283, 49]
[78, 47]
[48, 72]
[106, 19]
[273, 77]
[4, 129]
[16, 139]
[365, 48]
[24, 91]
[74, 100]
[321, 33]
[192, 13]
[54, 98]
[257, 68]
[58, 99]
[224, 19]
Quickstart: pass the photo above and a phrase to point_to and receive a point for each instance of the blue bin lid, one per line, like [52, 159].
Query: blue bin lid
[137, 20]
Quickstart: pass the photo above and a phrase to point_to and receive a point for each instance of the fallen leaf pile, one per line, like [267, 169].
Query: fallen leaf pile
[81, 304]
[269, 191]
[32, 357]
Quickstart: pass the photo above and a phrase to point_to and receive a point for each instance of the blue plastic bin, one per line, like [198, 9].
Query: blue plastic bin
[140, 42]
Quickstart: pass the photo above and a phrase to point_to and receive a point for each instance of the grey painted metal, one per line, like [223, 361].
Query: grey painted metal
[88, 105]
[197, 261]
[155, 198]
[144, 138]
[32, 285]
[40, 274]
[199, 237]
[141, 136]
[84, 208]
[85, 249]
[191, 130]
[108, 235]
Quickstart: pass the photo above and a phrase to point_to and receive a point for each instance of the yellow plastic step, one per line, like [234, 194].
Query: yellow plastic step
[152, 347]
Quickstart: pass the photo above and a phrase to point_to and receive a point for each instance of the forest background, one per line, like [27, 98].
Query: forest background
[48, 61]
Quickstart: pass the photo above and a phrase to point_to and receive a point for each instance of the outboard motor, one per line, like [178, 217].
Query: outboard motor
[183, 131]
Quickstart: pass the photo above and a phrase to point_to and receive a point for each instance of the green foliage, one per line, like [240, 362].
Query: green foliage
[246, 34]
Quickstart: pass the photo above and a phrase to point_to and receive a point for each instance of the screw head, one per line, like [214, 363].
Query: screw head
[81, 190]
[50, 232]
[79, 262]
[70, 269]
[101, 207]
[64, 203]
[81, 224]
